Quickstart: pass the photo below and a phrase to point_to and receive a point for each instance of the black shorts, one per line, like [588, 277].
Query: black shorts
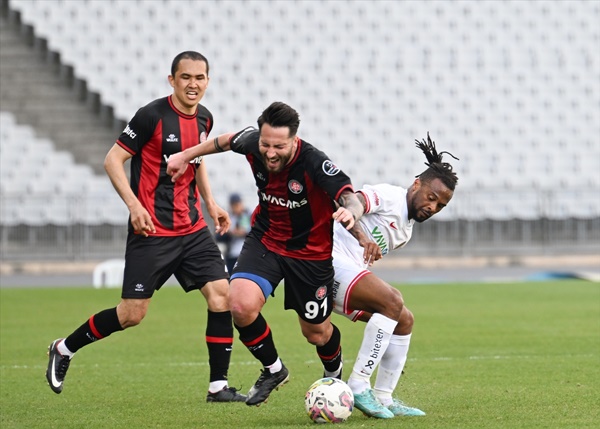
[195, 260]
[308, 284]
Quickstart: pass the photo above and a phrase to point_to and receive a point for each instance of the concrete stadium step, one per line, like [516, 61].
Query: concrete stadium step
[42, 93]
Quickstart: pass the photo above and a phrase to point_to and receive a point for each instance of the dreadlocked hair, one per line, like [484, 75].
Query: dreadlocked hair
[436, 168]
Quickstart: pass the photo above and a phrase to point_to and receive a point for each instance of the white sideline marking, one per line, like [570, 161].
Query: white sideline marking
[314, 361]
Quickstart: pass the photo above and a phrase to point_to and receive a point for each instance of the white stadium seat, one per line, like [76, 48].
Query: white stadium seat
[517, 80]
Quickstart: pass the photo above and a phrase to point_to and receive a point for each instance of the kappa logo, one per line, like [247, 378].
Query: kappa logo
[330, 168]
[172, 138]
[321, 293]
[295, 186]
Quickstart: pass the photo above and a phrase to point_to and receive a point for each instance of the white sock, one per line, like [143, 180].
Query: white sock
[390, 369]
[217, 386]
[63, 350]
[376, 339]
[276, 367]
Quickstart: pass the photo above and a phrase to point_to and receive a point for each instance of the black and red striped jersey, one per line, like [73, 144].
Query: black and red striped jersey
[293, 215]
[157, 131]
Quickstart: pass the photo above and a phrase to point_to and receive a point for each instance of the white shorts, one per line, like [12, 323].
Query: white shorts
[349, 269]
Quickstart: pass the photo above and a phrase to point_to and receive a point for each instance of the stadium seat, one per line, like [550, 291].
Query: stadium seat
[108, 274]
[490, 78]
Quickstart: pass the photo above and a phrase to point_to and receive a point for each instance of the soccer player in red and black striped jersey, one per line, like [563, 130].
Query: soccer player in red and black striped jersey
[167, 231]
[301, 193]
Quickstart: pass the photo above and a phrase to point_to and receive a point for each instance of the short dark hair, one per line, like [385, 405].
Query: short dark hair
[436, 168]
[187, 55]
[279, 114]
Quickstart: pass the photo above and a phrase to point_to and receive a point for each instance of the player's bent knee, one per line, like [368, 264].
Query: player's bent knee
[131, 319]
[317, 336]
[131, 312]
[243, 314]
[407, 319]
[394, 304]
[317, 339]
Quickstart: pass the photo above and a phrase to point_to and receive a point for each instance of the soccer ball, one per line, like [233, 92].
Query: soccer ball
[329, 400]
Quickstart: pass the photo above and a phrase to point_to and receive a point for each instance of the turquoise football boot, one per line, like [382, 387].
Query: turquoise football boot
[399, 408]
[370, 406]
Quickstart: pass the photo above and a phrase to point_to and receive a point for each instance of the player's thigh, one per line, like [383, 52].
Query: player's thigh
[259, 265]
[149, 262]
[373, 295]
[347, 275]
[201, 261]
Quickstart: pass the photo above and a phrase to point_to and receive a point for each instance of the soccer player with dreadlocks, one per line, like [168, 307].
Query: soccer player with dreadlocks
[389, 215]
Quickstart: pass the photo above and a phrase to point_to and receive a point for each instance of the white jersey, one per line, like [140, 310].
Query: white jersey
[387, 224]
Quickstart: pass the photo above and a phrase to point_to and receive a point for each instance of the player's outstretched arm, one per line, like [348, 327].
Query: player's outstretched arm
[350, 210]
[178, 162]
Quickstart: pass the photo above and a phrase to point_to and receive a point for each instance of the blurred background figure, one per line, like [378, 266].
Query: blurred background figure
[231, 243]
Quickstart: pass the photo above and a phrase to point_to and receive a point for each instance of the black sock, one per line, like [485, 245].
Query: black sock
[99, 326]
[259, 340]
[331, 353]
[219, 340]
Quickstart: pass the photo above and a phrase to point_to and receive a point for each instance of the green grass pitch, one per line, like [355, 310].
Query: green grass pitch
[510, 355]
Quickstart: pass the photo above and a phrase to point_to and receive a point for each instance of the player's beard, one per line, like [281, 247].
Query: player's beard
[422, 216]
[282, 162]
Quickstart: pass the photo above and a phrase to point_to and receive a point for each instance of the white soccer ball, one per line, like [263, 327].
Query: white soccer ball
[329, 400]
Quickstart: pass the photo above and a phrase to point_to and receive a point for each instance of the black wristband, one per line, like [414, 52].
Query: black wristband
[217, 147]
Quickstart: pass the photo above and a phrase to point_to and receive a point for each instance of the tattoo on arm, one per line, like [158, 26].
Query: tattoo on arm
[350, 201]
[218, 148]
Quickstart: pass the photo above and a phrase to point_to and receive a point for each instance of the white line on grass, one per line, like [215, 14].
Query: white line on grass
[314, 361]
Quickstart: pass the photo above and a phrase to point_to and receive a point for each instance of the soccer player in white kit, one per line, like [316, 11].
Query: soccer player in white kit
[389, 215]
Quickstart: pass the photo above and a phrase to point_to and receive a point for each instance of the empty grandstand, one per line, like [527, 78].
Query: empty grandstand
[510, 87]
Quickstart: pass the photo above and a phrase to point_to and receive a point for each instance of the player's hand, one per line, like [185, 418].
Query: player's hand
[141, 221]
[344, 216]
[220, 218]
[176, 166]
[371, 253]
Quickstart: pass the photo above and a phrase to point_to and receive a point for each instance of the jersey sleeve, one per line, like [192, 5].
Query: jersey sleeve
[381, 198]
[138, 131]
[327, 175]
[245, 141]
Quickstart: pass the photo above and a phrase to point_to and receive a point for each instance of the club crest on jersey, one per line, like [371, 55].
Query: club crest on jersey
[321, 293]
[295, 186]
[330, 168]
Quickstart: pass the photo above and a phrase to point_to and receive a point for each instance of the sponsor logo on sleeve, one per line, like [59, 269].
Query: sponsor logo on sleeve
[330, 168]
[128, 131]
[242, 133]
